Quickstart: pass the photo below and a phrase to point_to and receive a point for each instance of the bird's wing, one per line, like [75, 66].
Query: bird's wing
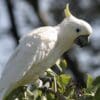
[32, 49]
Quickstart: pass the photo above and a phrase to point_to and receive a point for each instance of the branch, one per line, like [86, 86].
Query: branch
[57, 94]
[14, 31]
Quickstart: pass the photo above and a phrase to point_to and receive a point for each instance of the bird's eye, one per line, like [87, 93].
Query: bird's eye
[78, 30]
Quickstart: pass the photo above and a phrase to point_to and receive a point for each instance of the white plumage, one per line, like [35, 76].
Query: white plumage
[39, 50]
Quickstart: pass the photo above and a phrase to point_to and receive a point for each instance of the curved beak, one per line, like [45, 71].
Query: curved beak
[82, 40]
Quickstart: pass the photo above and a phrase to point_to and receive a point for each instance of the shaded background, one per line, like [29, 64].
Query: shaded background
[19, 17]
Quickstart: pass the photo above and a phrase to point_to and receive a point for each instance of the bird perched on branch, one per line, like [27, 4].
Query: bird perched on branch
[40, 50]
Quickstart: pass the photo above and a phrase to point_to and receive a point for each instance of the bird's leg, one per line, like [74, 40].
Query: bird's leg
[56, 69]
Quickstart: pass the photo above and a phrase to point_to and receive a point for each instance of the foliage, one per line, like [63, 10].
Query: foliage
[58, 87]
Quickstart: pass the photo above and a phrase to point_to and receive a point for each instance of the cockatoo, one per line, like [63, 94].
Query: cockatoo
[40, 50]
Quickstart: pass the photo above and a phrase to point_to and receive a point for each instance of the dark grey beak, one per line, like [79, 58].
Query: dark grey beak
[82, 40]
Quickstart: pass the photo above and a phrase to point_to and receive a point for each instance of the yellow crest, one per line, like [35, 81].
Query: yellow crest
[67, 11]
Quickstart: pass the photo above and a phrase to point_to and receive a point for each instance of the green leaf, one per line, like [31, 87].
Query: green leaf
[50, 72]
[50, 96]
[97, 95]
[37, 94]
[63, 63]
[65, 79]
[43, 97]
[62, 81]
[86, 98]
[96, 81]
[89, 80]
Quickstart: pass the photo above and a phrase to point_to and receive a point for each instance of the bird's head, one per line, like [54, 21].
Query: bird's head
[79, 29]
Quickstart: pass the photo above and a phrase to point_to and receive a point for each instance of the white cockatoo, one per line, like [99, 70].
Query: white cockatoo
[40, 50]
